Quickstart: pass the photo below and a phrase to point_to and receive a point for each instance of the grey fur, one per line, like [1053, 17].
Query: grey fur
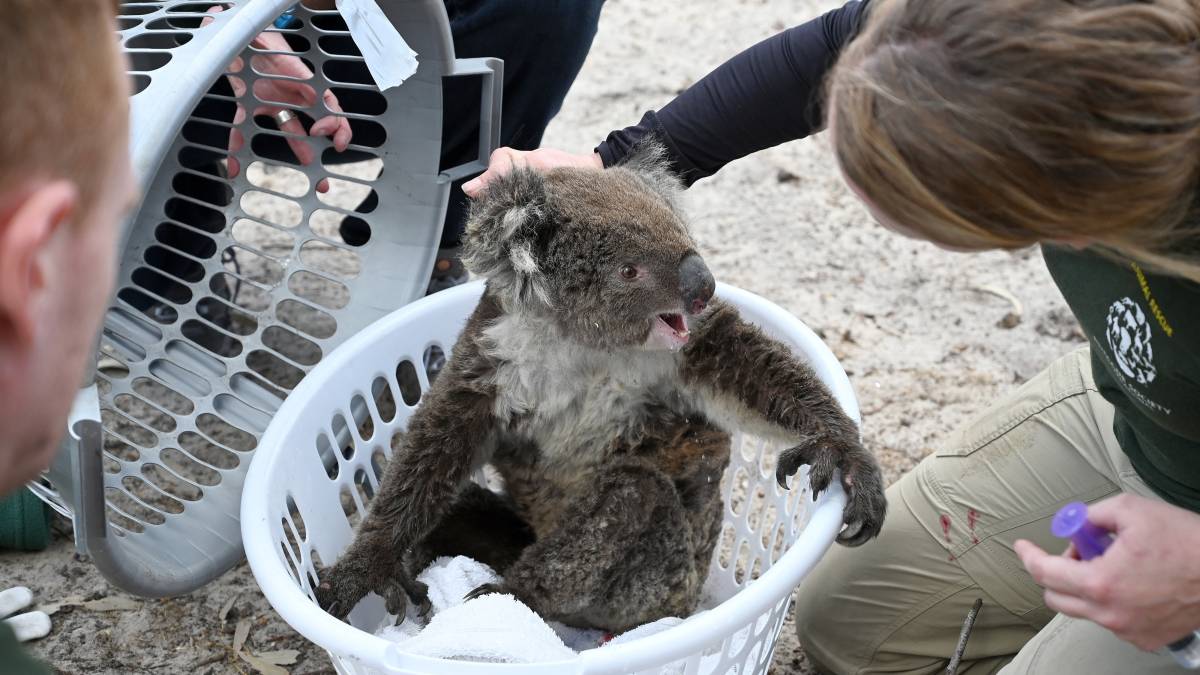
[610, 435]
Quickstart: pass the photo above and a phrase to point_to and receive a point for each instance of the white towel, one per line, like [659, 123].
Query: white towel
[494, 628]
[498, 628]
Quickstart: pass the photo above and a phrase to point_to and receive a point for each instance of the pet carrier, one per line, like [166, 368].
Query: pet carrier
[238, 275]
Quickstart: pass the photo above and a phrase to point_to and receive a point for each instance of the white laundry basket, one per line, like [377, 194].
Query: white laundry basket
[320, 459]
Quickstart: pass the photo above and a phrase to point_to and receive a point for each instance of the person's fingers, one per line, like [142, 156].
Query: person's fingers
[236, 141]
[1070, 605]
[284, 93]
[237, 84]
[323, 127]
[1071, 552]
[271, 40]
[1112, 514]
[215, 9]
[282, 65]
[1053, 572]
[342, 134]
[303, 151]
[331, 101]
[337, 128]
[501, 162]
[323, 185]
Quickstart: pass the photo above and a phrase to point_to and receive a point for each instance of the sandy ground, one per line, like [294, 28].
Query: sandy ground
[925, 344]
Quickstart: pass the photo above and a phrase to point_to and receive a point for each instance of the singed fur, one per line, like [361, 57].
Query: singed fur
[611, 442]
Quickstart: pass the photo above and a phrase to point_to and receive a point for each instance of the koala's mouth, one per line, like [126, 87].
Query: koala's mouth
[672, 328]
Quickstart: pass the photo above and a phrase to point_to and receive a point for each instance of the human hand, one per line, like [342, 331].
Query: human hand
[28, 625]
[504, 160]
[278, 94]
[1146, 586]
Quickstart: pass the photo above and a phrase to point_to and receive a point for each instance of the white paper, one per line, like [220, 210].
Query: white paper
[389, 58]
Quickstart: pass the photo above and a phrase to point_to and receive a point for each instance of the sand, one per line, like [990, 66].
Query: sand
[925, 343]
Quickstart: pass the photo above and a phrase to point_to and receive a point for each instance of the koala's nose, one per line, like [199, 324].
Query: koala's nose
[696, 283]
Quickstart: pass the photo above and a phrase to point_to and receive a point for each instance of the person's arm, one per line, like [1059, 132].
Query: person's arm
[768, 94]
[764, 96]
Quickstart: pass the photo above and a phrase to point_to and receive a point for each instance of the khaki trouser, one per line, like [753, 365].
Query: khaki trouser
[896, 605]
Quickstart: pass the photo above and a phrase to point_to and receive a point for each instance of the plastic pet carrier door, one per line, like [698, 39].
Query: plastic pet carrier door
[257, 250]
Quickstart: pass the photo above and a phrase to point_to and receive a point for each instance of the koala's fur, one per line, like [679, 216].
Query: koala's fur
[606, 420]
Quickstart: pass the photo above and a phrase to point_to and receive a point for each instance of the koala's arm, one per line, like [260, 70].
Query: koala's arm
[447, 437]
[752, 382]
[446, 440]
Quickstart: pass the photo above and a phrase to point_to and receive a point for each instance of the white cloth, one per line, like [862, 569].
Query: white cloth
[500, 629]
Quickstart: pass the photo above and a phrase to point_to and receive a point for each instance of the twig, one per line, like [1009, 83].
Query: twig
[968, 624]
[221, 656]
[1011, 319]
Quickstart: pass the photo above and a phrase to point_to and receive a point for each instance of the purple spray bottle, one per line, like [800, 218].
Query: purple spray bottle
[1091, 540]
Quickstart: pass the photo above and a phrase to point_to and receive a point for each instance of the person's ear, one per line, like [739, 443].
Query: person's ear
[27, 229]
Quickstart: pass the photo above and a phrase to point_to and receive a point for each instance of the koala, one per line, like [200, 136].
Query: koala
[601, 379]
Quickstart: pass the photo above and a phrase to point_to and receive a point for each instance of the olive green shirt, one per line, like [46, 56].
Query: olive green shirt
[1144, 334]
[14, 659]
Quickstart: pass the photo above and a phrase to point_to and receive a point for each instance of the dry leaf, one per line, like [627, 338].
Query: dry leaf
[240, 634]
[113, 603]
[52, 607]
[281, 657]
[261, 665]
[227, 606]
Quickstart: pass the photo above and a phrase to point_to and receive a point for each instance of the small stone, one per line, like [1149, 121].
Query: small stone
[1010, 320]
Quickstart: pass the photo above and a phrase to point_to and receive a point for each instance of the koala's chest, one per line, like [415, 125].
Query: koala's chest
[573, 407]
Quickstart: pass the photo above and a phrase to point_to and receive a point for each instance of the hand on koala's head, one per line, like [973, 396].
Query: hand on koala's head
[505, 160]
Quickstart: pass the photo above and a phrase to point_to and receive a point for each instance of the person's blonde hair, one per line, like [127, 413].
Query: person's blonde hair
[1003, 123]
[61, 96]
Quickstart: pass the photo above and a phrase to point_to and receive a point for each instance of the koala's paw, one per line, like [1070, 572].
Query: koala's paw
[343, 585]
[861, 477]
[488, 589]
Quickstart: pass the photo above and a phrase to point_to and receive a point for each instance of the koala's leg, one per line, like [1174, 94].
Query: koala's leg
[694, 454]
[751, 381]
[621, 556]
[481, 525]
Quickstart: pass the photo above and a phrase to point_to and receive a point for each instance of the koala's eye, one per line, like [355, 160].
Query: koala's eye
[628, 272]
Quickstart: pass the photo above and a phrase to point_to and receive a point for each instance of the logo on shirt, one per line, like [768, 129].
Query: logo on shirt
[1128, 335]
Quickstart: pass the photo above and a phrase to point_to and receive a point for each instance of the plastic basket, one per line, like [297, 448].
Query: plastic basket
[298, 508]
[231, 289]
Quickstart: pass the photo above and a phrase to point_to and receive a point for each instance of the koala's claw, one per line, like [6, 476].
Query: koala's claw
[395, 598]
[337, 595]
[486, 589]
[866, 505]
[340, 589]
[861, 477]
[818, 457]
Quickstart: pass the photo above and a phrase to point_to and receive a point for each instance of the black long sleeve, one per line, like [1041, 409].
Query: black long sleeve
[764, 96]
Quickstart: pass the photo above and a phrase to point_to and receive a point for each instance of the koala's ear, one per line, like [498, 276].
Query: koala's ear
[648, 159]
[506, 231]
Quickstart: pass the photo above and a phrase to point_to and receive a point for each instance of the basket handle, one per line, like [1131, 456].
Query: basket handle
[490, 104]
[127, 571]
